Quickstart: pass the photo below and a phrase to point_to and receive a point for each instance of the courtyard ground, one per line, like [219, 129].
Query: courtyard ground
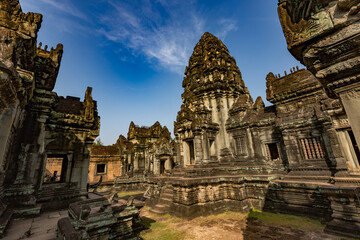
[224, 226]
[233, 226]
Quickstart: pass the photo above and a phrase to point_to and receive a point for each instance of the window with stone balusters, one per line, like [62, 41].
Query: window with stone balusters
[312, 148]
[240, 143]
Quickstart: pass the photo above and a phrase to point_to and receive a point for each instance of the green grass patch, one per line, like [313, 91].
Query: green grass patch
[297, 222]
[228, 215]
[159, 231]
[128, 194]
[163, 218]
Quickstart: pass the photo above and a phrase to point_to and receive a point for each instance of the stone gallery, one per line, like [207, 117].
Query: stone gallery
[45, 140]
[298, 156]
[147, 151]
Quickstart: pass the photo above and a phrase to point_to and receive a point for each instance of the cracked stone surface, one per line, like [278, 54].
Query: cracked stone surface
[42, 227]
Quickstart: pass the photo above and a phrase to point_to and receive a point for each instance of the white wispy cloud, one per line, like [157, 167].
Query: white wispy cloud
[66, 7]
[163, 31]
[167, 37]
[60, 8]
[226, 25]
[63, 15]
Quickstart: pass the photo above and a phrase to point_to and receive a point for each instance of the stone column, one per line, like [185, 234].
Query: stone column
[198, 149]
[186, 153]
[6, 122]
[157, 165]
[136, 162]
[147, 162]
[128, 163]
[167, 164]
[351, 103]
[179, 152]
[206, 148]
[36, 163]
[292, 150]
[250, 145]
[85, 166]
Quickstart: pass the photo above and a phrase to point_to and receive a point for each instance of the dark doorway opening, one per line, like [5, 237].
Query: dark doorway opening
[273, 151]
[162, 166]
[192, 151]
[355, 145]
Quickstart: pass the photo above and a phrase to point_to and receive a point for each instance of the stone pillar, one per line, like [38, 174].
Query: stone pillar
[136, 162]
[85, 166]
[147, 161]
[179, 152]
[157, 165]
[250, 146]
[128, 163]
[198, 150]
[6, 122]
[121, 170]
[292, 150]
[206, 148]
[39, 154]
[168, 164]
[23, 158]
[351, 103]
[186, 153]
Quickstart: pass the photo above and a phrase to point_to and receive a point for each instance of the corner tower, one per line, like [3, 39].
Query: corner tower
[211, 84]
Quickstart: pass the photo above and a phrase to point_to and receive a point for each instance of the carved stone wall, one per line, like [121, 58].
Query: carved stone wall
[105, 162]
[326, 40]
[36, 123]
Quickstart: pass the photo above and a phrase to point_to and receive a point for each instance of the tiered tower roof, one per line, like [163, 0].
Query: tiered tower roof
[211, 70]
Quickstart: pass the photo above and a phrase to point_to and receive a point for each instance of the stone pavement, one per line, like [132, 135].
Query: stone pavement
[42, 227]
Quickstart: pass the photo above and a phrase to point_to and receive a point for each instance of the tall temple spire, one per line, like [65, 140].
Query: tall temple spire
[211, 68]
[212, 83]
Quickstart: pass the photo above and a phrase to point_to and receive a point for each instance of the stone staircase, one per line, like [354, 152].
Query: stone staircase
[164, 202]
[226, 170]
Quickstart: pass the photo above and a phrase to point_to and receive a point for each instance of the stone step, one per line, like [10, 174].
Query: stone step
[166, 198]
[302, 179]
[5, 220]
[168, 195]
[166, 201]
[160, 206]
[28, 211]
[158, 211]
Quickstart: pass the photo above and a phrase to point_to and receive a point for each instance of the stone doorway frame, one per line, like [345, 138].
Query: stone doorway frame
[348, 150]
[66, 174]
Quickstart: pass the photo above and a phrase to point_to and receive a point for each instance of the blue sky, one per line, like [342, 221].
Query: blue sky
[134, 52]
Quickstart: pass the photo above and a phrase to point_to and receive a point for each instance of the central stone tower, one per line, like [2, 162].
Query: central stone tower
[211, 84]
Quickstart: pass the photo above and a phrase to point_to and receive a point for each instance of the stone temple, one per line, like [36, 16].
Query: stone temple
[147, 151]
[300, 155]
[296, 156]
